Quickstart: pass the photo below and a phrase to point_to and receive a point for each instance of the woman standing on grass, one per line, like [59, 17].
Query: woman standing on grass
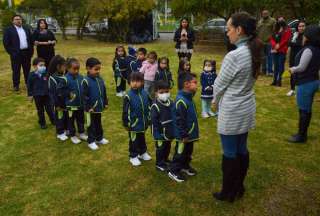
[184, 38]
[235, 98]
[45, 41]
[306, 73]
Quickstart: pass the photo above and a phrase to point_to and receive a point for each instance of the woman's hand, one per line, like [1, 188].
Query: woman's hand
[290, 71]
[36, 43]
[277, 46]
[214, 106]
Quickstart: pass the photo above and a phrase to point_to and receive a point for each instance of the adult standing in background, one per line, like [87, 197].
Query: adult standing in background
[45, 41]
[265, 30]
[184, 38]
[234, 95]
[295, 45]
[17, 42]
[306, 73]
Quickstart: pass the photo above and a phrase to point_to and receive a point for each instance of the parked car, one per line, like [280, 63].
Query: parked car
[217, 25]
[100, 26]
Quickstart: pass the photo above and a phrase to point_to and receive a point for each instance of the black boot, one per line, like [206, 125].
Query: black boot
[229, 173]
[304, 122]
[244, 165]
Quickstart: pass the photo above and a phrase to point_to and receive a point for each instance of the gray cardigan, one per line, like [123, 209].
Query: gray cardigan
[234, 94]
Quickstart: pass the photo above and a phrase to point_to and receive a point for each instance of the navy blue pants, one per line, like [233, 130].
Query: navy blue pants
[75, 116]
[43, 104]
[95, 130]
[233, 145]
[137, 144]
[61, 121]
[182, 157]
[279, 60]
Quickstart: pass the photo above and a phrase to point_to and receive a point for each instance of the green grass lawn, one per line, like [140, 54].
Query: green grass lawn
[42, 176]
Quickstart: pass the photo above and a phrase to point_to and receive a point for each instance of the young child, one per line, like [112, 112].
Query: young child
[187, 129]
[149, 69]
[208, 77]
[163, 125]
[39, 92]
[136, 65]
[184, 67]
[120, 70]
[163, 72]
[71, 90]
[135, 117]
[56, 70]
[95, 100]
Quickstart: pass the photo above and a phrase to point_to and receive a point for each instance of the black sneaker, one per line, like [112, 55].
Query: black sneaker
[178, 177]
[190, 171]
[162, 168]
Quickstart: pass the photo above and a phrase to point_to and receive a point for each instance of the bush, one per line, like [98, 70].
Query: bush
[6, 16]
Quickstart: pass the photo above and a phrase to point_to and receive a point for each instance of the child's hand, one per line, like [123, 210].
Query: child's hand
[185, 140]
[90, 110]
[214, 106]
[30, 98]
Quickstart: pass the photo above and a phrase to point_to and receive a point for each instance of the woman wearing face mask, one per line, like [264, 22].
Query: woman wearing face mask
[235, 98]
[184, 38]
[295, 45]
[45, 41]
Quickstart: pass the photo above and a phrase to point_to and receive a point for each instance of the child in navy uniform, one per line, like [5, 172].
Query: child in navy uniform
[163, 125]
[187, 129]
[56, 70]
[163, 72]
[95, 101]
[135, 66]
[39, 92]
[208, 77]
[120, 69]
[72, 95]
[135, 118]
[184, 67]
[131, 59]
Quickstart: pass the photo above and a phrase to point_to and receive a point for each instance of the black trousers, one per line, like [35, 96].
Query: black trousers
[182, 156]
[292, 82]
[61, 120]
[95, 131]
[43, 104]
[162, 152]
[185, 55]
[137, 144]
[23, 59]
[75, 116]
[121, 84]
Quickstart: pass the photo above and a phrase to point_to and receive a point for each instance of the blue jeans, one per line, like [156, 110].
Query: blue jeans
[234, 144]
[305, 95]
[206, 105]
[279, 60]
[267, 59]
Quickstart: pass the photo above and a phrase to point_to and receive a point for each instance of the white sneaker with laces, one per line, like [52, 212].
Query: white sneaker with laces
[75, 140]
[62, 137]
[290, 93]
[83, 136]
[103, 141]
[93, 146]
[145, 156]
[204, 115]
[119, 94]
[135, 161]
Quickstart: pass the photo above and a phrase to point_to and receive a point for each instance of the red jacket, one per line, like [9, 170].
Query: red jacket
[284, 42]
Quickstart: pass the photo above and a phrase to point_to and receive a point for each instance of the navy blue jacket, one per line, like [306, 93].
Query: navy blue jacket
[162, 120]
[71, 91]
[136, 110]
[135, 65]
[130, 61]
[11, 41]
[55, 81]
[207, 81]
[164, 75]
[38, 84]
[94, 94]
[120, 67]
[186, 117]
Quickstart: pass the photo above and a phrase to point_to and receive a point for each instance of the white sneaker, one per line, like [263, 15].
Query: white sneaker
[123, 93]
[212, 114]
[290, 93]
[83, 136]
[119, 94]
[135, 161]
[204, 115]
[75, 140]
[103, 141]
[62, 137]
[145, 156]
[93, 146]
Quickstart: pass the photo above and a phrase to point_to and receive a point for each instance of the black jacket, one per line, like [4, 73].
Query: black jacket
[38, 84]
[11, 41]
[191, 38]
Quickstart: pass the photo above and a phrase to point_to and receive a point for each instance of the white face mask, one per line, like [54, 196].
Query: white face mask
[208, 68]
[164, 96]
[42, 69]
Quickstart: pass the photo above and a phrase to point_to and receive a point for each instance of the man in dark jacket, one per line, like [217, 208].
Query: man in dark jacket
[18, 44]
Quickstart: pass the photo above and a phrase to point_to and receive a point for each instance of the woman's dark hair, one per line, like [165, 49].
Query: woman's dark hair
[212, 62]
[162, 59]
[116, 52]
[249, 26]
[39, 22]
[186, 19]
[91, 62]
[182, 63]
[300, 21]
[56, 61]
[71, 61]
[161, 84]
[37, 60]
[153, 55]
[280, 24]
[136, 77]
[312, 33]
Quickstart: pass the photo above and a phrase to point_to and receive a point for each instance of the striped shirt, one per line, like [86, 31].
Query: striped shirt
[233, 92]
